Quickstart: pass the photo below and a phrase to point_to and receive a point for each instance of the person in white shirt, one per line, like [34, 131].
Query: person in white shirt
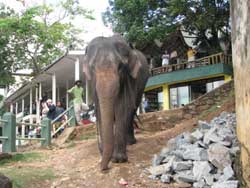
[165, 59]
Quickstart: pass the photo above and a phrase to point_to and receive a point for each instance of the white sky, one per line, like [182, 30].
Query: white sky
[93, 28]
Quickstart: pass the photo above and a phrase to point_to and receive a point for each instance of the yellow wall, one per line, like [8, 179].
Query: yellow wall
[165, 87]
[165, 91]
[165, 97]
[227, 78]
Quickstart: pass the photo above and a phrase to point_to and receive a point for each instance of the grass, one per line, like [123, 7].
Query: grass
[22, 157]
[29, 177]
[71, 145]
[88, 136]
[26, 177]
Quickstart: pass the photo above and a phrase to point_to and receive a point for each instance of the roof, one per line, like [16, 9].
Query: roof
[63, 67]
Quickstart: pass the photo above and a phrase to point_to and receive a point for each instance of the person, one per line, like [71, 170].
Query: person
[78, 92]
[45, 110]
[59, 111]
[165, 59]
[191, 54]
[52, 110]
[146, 105]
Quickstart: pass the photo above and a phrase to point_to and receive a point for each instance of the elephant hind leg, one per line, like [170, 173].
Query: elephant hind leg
[130, 133]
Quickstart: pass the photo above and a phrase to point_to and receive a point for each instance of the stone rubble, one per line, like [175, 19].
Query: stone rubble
[202, 158]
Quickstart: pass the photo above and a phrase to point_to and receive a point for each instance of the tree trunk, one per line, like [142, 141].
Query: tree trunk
[240, 14]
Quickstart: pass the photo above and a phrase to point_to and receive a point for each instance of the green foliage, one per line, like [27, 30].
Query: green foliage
[37, 36]
[142, 21]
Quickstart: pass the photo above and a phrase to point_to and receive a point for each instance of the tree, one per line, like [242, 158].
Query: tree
[6, 59]
[241, 55]
[143, 21]
[39, 35]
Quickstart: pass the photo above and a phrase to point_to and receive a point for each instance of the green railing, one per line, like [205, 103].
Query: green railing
[9, 137]
[208, 60]
[71, 121]
[9, 124]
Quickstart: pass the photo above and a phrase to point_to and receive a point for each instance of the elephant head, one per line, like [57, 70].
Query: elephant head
[118, 75]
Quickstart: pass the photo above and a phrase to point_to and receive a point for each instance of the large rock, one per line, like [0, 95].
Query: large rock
[201, 169]
[161, 169]
[195, 153]
[5, 182]
[157, 160]
[228, 174]
[165, 178]
[182, 165]
[197, 135]
[219, 156]
[225, 184]
[184, 176]
[211, 136]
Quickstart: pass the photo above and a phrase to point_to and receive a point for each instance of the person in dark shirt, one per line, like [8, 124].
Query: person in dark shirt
[52, 110]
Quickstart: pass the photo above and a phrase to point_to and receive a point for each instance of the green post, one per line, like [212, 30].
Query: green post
[46, 132]
[9, 130]
[72, 122]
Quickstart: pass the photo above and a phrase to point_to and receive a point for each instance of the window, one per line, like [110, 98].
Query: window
[179, 96]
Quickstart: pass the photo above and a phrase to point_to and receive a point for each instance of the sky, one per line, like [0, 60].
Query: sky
[93, 28]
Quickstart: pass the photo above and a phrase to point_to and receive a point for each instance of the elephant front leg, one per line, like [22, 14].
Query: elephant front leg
[119, 153]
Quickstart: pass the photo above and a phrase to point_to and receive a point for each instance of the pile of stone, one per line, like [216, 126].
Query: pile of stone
[203, 158]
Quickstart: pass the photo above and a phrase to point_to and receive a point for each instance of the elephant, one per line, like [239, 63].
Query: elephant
[118, 75]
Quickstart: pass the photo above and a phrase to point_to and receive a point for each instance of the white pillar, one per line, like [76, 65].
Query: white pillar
[77, 69]
[23, 126]
[54, 88]
[23, 105]
[37, 105]
[5, 91]
[16, 107]
[67, 95]
[11, 108]
[31, 121]
[40, 91]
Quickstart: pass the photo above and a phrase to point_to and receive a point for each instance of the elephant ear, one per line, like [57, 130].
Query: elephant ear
[135, 62]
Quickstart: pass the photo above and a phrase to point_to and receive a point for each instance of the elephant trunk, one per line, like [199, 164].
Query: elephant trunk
[107, 133]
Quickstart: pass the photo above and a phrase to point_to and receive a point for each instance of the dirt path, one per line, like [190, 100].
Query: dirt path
[78, 166]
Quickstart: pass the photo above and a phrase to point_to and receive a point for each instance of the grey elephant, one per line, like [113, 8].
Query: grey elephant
[118, 77]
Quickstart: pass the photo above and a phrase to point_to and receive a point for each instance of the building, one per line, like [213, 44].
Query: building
[181, 82]
[52, 82]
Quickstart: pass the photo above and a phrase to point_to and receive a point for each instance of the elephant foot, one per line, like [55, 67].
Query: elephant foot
[104, 168]
[131, 141]
[119, 158]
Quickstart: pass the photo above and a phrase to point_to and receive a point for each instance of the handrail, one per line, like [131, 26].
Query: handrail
[23, 138]
[58, 117]
[3, 121]
[4, 138]
[59, 128]
[208, 60]
[30, 124]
